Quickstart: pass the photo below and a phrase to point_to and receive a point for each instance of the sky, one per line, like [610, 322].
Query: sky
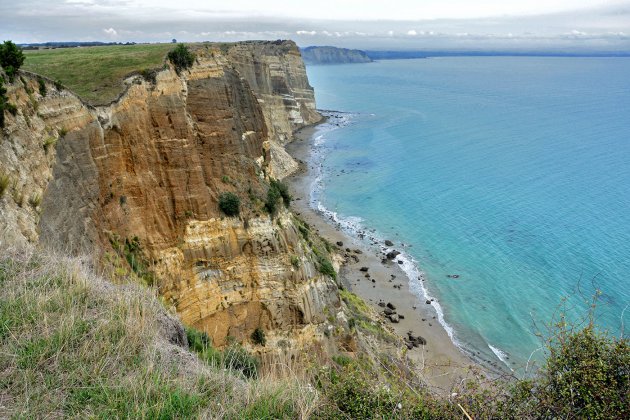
[596, 25]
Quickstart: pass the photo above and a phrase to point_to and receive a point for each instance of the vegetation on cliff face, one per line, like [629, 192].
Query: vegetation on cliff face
[181, 57]
[229, 203]
[75, 345]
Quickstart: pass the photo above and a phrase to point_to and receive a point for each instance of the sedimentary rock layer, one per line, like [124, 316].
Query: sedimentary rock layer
[145, 174]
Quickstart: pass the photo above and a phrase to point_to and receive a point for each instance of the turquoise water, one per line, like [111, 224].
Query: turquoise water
[513, 173]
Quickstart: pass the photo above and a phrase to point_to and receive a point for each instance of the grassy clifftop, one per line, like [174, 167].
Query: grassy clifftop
[95, 73]
[75, 345]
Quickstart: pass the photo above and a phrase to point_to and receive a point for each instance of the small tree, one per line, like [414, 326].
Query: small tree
[229, 203]
[11, 58]
[181, 57]
[258, 337]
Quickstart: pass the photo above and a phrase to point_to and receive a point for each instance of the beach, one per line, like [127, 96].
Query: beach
[377, 279]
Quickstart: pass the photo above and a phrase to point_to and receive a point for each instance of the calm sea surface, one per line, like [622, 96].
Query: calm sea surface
[512, 173]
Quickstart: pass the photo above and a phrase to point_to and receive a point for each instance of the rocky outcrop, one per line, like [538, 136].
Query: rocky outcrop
[145, 174]
[334, 55]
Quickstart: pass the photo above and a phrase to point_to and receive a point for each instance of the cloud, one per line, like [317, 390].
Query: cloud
[26, 21]
[111, 32]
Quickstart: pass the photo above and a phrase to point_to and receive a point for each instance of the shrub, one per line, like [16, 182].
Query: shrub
[236, 358]
[181, 57]
[26, 86]
[131, 250]
[325, 267]
[586, 375]
[35, 200]
[273, 195]
[283, 190]
[229, 203]
[11, 108]
[42, 86]
[48, 142]
[198, 341]
[58, 85]
[11, 58]
[150, 75]
[295, 261]
[258, 337]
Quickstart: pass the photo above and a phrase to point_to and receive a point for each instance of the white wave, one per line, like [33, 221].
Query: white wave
[501, 355]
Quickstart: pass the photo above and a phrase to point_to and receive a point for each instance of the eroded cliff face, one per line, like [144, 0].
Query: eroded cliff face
[149, 169]
[276, 73]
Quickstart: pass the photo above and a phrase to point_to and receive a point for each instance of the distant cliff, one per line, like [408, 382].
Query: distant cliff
[333, 55]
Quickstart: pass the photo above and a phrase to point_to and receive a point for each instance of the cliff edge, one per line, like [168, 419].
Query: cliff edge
[138, 182]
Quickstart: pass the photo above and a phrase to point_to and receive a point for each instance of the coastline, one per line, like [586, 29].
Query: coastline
[439, 362]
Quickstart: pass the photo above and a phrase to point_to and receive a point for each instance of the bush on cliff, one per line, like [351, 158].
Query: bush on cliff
[181, 57]
[258, 337]
[325, 267]
[276, 191]
[11, 58]
[586, 375]
[229, 203]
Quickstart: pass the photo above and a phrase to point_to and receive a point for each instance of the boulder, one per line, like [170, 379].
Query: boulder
[394, 318]
[428, 302]
[389, 243]
[388, 311]
[391, 306]
[381, 304]
[417, 340]
[339, 243]
[392, 254]
[364, 268]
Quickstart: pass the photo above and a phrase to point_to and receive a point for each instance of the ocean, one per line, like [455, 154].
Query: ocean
[507, 179]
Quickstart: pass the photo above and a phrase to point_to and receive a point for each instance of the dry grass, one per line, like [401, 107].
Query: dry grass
[5, 180]
[75, 345]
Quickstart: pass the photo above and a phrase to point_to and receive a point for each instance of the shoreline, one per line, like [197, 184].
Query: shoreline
[439, 362]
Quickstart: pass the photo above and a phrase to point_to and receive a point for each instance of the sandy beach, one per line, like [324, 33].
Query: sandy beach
[439, 362]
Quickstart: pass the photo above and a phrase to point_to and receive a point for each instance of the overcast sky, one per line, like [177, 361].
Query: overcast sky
[392, 24]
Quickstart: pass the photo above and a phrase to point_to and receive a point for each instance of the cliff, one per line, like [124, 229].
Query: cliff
[138, 182]
[334, 55]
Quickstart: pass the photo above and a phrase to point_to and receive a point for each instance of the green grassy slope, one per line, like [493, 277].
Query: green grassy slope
[95, 73]
[74, 345]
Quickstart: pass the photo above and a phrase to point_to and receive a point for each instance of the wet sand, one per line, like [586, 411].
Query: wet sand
[439, 362]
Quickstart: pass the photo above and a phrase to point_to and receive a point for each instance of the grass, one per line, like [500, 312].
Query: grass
[74, 345]
[95, 73]
[5, 180]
